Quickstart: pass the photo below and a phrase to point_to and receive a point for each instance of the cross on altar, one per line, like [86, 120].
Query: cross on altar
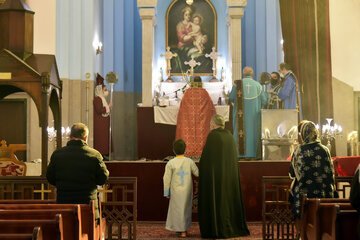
[213, 56]
[168, 56]
[248, 87]
[182, 174]
[192, 63]
[42, 191]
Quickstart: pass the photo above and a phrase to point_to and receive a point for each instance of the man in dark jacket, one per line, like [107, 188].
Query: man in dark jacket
[77, 169]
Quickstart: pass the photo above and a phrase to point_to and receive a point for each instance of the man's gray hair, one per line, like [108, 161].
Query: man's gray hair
[248, 72]
[218, 120]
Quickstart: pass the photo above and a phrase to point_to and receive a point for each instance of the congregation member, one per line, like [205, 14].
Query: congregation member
[76, 170]
[221, 207]
[178, 187]
[311, 170]
[101, 119]
[248, 98]
[355, 195]
[193, 121]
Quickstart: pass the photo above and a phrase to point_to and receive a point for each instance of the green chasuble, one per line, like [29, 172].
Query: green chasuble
[221, 208]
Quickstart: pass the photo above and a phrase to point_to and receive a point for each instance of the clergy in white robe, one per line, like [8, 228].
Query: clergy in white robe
[178, 187]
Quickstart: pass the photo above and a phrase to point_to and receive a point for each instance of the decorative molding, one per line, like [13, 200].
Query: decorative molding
[146, 3]
[236, 3]
[236, 13]
[146, 13]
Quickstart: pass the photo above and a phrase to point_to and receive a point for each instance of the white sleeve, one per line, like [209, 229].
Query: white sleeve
[194, 169]
[167, 179]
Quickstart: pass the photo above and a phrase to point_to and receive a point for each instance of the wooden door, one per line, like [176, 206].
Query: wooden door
[13, 123]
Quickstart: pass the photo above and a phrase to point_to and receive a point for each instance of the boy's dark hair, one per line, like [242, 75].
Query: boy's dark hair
[79, 130]
[179, 147]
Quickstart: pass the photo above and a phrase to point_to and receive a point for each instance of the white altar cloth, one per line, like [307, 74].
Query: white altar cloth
[168, 115]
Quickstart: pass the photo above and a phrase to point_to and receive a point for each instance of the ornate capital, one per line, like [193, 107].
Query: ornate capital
[235, 13]
[146, 3]
[147, 13]
[236, 3]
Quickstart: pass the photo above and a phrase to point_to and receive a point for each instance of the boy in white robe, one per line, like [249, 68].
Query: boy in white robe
[178, 188]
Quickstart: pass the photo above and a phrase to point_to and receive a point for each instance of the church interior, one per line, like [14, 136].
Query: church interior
[53, 53]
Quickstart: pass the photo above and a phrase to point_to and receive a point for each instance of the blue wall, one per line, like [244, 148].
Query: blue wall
[122, 44]
[261, 35]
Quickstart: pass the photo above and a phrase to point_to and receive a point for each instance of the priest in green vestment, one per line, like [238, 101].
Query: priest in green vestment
[220, 204]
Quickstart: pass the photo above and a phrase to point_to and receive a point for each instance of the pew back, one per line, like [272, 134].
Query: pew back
[87, 212]
[52, 228]
[71, 218]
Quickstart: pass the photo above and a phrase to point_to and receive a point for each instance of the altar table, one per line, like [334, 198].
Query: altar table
[346, 166]
[168, 115]
[154, 140]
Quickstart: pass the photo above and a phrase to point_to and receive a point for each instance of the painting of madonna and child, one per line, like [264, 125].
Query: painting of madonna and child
[191, 32]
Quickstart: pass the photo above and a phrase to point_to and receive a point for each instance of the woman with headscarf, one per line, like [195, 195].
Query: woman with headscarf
[101, 120]
[311, 169]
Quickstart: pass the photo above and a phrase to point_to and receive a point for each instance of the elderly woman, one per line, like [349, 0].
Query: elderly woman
[311, 169]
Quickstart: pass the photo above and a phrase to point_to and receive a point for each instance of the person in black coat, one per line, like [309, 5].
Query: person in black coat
[77, 169]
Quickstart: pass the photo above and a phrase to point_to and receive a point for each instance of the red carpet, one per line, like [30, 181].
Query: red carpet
[156, 230]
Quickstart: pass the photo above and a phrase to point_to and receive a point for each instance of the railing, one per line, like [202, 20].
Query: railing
[276, 210]
[118, 200]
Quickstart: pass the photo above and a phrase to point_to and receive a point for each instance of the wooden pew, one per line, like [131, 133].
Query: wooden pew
[332, 222]
[87, 212]
[71, 219]
[52, 229]
[319, 217]
[35, 235]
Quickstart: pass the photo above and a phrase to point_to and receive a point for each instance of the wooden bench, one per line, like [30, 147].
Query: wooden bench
[320, 216]
[52, 229]
[71, 219]
[35, 235]
[87, 212]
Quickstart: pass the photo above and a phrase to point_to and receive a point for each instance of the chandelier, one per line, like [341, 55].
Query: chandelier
[65, 131]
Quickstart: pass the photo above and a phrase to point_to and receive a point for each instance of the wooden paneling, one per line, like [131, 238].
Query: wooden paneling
[13, 123]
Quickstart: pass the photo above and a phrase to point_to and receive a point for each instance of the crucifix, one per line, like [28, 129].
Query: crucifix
[168, 56]
[213, 56]
[192, 63]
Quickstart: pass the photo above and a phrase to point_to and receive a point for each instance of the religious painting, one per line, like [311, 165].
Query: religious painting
[191, 32]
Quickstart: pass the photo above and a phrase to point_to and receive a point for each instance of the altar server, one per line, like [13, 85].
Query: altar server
[178, 187]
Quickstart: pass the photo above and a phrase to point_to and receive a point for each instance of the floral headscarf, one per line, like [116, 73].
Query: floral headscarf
[309, 133]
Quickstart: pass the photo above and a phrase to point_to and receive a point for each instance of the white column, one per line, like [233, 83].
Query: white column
[235, 13]
[147, 15]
